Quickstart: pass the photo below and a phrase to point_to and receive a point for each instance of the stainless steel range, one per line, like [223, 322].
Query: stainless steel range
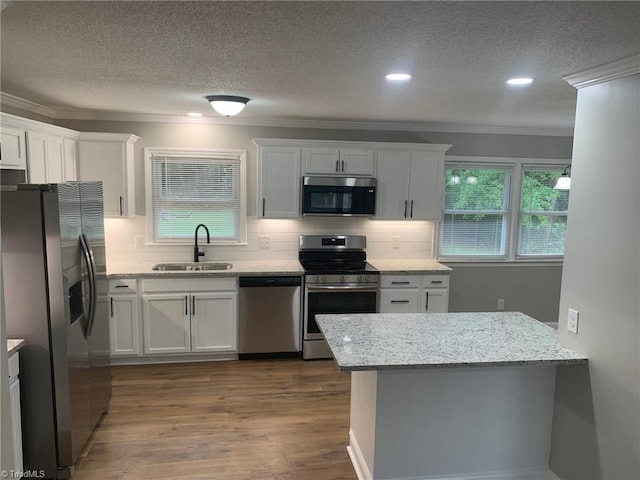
[337, 279]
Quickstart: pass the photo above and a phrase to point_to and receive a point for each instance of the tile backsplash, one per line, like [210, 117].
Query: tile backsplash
[126, 240]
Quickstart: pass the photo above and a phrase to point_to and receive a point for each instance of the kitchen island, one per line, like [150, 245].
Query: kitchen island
[451, 395]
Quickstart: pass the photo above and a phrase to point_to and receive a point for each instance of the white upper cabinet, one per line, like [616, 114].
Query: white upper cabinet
[109, 157]
[70, 148]
[13, 151]
[410, 183]
[278, 182]
[338, 161]
[45, 158]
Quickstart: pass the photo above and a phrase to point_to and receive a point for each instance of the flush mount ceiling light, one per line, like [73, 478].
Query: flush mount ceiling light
[227, 105]
[398, 77]
[564, 182]
[519, 82]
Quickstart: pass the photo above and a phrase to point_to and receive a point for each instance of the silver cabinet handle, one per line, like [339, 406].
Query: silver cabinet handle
[399, 301]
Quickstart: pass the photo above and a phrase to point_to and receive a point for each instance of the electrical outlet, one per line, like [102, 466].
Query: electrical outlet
[264, 241]
[572, 320]
[139, 242]
[500, 304]
[395, 242]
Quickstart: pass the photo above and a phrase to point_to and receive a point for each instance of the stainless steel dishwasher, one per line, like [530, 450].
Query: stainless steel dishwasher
[270, 317]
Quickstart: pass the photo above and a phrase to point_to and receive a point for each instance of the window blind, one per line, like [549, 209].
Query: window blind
[189, 190]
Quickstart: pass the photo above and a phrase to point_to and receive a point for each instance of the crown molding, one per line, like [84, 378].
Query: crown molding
[605, 73]
[26, 105]
[95, 115]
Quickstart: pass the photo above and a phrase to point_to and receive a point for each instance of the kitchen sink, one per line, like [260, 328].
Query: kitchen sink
[192, 266]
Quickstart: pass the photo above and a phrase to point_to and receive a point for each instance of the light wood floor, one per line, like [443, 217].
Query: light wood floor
[242, 420]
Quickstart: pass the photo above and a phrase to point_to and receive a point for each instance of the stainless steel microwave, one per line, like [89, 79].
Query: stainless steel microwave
[339, 196]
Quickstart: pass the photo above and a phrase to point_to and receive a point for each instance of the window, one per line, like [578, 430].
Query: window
[189, 187]
[481, 218]
[476, 203]
[543, 213]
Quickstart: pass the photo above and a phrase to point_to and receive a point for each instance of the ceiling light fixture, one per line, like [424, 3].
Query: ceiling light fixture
[227, 105]
[518, 82]
[398, 77]
[564, 182]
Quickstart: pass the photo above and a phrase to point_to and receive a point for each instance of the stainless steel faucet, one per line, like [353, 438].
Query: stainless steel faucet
[196, 252]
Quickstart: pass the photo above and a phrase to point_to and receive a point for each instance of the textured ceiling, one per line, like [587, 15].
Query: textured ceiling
[313, 60]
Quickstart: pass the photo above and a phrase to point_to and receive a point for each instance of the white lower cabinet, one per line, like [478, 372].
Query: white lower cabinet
[124, 324]
[189, 316]
[414, 294]
[14, 399]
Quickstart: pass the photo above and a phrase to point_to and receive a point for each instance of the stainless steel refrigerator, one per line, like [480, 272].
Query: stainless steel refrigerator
[54, 271]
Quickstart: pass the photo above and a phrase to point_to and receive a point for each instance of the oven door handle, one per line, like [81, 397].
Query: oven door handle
[353, 288]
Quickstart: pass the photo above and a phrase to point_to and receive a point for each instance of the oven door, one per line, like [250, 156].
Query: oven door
[338, 299]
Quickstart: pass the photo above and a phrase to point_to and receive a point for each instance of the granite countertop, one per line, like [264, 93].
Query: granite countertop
[408, 266]
[442, 340]
[240, 267]
[14, 344]
[266, 267]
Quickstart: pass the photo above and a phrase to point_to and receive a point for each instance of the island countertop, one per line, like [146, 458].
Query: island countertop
[442, 340]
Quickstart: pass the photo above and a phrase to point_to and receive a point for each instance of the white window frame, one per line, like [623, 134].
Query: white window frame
[215, 154]
[517, 165]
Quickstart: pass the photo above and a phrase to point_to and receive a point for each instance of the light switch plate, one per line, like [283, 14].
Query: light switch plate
[572, 320]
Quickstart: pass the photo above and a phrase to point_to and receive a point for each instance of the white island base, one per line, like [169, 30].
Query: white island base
[452, 423]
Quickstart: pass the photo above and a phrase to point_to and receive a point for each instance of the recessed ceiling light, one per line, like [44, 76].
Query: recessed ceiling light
[398, 77]
[194, 114]
[520, 81]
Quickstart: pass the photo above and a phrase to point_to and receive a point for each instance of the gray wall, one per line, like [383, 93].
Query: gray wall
[531, 289]
[597, 414]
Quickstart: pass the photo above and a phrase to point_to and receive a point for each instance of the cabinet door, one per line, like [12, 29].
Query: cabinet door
[425, 186]
[16, 422]
[399, 300]
[214, 323]
[13, 152]
[393, 185]
[108, 162]
[124, 326]
[279, 182]
[166, 325]
[70, 160]
[356, 162]
[37, 157]
[55, 159]
[322, 161]
[435, 300]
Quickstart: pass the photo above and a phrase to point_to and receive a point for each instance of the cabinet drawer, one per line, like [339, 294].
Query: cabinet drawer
[14, 365]
[123, 286]
[188, 284]
[435, 281]
[400, 281]
[398, 300]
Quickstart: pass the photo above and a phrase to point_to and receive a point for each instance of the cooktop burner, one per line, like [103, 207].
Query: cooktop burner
[334, 255]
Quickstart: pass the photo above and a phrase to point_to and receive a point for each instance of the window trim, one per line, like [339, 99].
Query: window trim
[214, 153]
[517, 166]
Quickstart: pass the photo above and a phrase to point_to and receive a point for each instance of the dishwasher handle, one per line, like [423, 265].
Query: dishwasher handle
[270, 281]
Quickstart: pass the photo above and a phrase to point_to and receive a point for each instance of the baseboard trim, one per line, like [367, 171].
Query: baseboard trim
[357, 459]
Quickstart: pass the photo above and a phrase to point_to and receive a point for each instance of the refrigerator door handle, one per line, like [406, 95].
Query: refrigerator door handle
[88, 258]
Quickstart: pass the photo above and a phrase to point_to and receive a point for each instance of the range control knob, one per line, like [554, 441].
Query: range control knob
[359, 278]
[342, 278]
[324, 278]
